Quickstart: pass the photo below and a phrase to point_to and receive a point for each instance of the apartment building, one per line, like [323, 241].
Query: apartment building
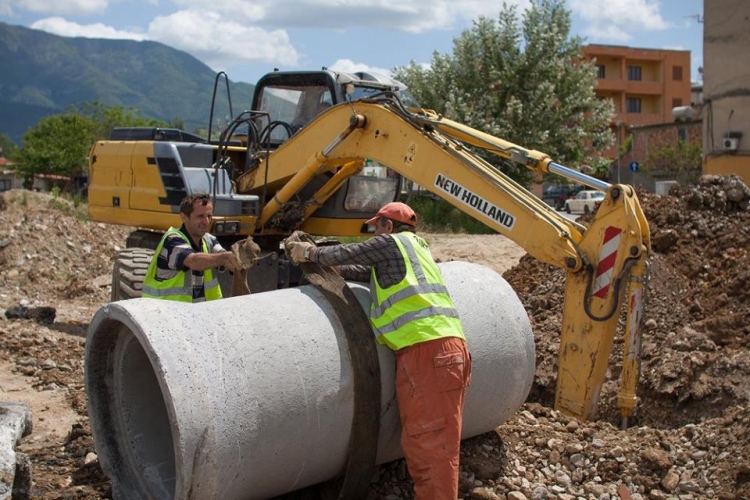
[726, 88]
[644, 84]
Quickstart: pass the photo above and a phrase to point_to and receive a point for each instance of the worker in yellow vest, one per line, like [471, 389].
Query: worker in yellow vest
[183, 265]
[413, 314]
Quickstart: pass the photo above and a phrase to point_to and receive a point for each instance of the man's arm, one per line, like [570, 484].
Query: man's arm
[357, 260]
[375, 251]
[216, 256]
[201, 261]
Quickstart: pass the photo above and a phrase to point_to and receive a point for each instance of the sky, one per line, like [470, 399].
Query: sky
[248, 38]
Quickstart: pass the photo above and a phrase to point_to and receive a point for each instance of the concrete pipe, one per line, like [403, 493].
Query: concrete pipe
[251, 397]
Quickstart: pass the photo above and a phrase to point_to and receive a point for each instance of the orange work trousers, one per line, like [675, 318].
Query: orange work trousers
[431, 380]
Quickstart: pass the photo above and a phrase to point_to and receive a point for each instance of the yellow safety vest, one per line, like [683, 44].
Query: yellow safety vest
[180, 287]
[418, 308]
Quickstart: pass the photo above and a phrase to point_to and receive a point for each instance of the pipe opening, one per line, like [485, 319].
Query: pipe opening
[130, 409]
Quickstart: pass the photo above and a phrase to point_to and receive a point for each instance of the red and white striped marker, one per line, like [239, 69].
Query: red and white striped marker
[607, 256]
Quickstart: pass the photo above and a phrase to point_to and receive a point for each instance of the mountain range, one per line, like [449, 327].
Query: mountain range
[43, 74]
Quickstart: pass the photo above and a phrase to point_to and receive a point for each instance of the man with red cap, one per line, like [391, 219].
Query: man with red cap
[413, 314]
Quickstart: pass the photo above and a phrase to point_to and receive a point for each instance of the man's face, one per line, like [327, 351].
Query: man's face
[198, 222]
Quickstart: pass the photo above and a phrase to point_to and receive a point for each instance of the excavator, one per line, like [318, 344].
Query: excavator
[321, 151]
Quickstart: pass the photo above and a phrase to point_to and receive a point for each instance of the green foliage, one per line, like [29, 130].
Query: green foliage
[8, 148]
[627, 145]
[69, 205]
[58, 144]
[523, 82]
[59, 205]
[55, 191]
[440, 216]
[106, 118]
[680, 160]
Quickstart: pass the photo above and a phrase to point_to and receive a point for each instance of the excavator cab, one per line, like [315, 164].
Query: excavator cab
[284, 106]
[288, 101]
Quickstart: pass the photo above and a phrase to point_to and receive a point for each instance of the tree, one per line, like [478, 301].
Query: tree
[8, 148]
[58, 144]
[681, 161]
[525, 82]
[106, 118]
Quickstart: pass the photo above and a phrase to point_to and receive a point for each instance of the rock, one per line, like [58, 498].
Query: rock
[516, 495]
[15, 423]
[670, 481]
[484, 494]
[23, 480]
[656, 459]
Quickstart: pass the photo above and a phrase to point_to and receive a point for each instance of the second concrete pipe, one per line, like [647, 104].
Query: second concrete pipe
[251, 397]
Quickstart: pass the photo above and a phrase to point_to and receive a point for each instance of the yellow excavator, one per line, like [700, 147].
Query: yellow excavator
[321, 151]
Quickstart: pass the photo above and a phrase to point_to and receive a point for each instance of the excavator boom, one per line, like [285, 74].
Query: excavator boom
[605, 263]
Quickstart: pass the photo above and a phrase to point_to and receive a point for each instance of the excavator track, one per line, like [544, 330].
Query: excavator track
[129, 272]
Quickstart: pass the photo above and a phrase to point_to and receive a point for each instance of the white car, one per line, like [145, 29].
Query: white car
[585, 201]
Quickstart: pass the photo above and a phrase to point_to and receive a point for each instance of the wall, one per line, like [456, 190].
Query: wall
[726, 86]
[647, 139]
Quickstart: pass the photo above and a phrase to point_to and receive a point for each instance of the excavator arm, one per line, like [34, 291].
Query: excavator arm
[605, 264]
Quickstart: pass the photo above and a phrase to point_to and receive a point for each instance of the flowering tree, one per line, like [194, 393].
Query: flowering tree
[523, 80]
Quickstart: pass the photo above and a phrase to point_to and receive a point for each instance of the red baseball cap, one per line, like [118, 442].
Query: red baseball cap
[397, 211]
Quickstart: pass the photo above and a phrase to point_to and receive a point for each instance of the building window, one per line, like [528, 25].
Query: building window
[682, 134]
[5, 185]
[634, 73]
[677, 73]
[601, 71]
[676, 102]
[634, 105]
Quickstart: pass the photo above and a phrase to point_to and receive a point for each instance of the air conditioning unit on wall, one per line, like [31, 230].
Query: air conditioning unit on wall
[730, 143]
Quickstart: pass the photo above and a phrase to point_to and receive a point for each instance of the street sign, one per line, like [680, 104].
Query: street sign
[633, 166]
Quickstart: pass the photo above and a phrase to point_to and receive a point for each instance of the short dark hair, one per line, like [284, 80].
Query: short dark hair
[188, 202]
[398, 226]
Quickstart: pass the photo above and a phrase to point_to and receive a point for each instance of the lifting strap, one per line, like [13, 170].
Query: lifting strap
[363, 444]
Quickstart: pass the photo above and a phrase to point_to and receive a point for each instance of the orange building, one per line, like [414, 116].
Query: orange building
[644, 84]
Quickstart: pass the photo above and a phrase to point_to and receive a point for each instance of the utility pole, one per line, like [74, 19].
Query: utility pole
[619, 146]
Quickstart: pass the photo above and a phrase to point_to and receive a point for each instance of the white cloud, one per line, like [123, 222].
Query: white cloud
[60, 26]
[414, 16]
[208, 37]
[618, 20]
[220, 42]
[242, 11]
[349, 66]
[55, 7]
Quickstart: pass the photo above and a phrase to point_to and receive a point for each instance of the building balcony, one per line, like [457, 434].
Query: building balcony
[630, 86]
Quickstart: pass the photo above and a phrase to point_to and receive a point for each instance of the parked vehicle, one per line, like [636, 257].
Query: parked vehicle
[555, 195]
[584, 201]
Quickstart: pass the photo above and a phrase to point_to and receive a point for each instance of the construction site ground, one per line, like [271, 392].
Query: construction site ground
[689, 438]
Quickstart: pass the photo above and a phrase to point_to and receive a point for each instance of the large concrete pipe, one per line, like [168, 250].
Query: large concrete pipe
[251, 397]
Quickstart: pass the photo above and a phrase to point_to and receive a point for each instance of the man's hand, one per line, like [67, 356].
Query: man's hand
[296, 250]
[230, 261]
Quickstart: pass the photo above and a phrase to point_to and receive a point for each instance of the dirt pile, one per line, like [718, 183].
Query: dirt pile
[690, 437]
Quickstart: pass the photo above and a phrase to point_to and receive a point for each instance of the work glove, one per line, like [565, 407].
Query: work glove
[231, 262]
[296, 250]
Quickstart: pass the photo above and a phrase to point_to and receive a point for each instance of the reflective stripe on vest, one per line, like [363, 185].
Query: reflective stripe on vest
[418, 308]
[179, 287]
